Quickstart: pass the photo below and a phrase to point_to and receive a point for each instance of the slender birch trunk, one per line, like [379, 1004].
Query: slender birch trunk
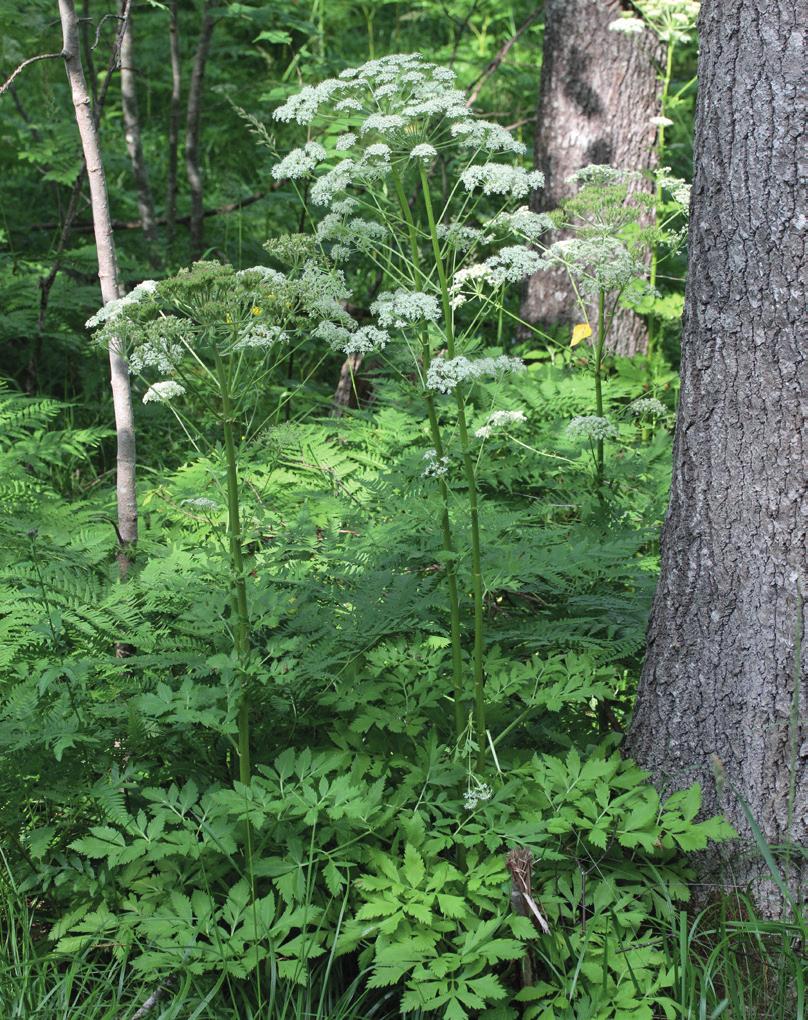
[173, 120]
[134, 144]
[108, 277]
[192, 127]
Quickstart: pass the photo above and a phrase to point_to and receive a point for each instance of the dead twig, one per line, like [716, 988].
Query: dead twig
[31, 60]
[476, 86]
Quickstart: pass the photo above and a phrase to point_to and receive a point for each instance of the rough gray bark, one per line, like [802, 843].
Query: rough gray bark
[599, 91]
[173, 119]
[719, 679]
[134, 144]
[192, 127]
[108, 277]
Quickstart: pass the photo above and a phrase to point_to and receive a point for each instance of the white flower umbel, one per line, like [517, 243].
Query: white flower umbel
[436, 467]
[510, 265]
[459, 236]
[334, 335]
[299, 162]
[523, 221]
[661, 121]
[366, 340]
[259, 335]
[601, 175]
[499, 420]
[627, 26]
[424, 151]
[597, 263]
[337, 179]
[480, 793]
[647, 406]
[445, 375]
[160, 392]
[378, 150]
[401, 308]
[482, 134]
[113, 308]
[303, 106]
[501, 179]
[592, 427]
[383, 123]
[345, 142]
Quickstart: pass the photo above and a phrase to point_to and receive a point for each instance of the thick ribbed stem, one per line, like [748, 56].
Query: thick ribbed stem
[446, 527]
[471, 483]
[238, 590]
[599, 383]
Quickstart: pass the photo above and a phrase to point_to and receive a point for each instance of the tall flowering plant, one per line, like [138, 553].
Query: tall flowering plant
[217, 335]
[386, 132]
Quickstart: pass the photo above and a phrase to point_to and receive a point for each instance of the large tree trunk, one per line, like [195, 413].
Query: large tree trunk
[599, 91]
[193, 123]
[134, 144]
[108, 277]
[719, 682]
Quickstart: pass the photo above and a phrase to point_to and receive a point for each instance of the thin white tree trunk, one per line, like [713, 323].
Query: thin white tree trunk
[108, 277]
[194, 115]
[174, 119]
[134, 144]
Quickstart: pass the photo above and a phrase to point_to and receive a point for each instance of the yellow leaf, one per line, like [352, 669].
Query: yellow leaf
[580, 332]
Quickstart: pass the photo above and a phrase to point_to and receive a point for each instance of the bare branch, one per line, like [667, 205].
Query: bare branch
[476, 87]
[86, 227]
[31, 60]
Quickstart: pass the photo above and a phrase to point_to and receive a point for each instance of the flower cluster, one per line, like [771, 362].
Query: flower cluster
[592, 427]
[498, 420]
[524, 221]
[356, 234]
[259, 335]
[597, 263]
[509, 265]
[112, 309]
[366, 340]
[480, 793]
[647, 406]
[163, 391]
[501, 179]
[445, 375]
[401, 308]
[673, 21]
[627, 26]
[299, 162]
[482, 134]
[436, 467]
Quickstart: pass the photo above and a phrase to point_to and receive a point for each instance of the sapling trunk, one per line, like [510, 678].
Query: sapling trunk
[241, 618]
[108, 278]
[134, 144]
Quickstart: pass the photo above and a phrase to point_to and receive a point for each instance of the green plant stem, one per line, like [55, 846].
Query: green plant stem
[660, 152]
[241, 618]
[599, 384]
[471, 483]
[446, 527]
